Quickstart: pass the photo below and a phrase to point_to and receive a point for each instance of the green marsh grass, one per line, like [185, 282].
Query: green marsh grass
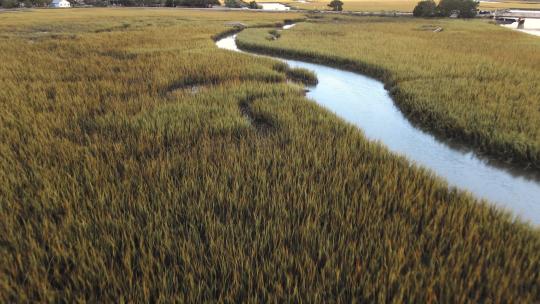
[474, 82]
[143, 164]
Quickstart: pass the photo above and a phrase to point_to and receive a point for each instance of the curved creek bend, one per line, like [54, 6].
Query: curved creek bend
[364, 102]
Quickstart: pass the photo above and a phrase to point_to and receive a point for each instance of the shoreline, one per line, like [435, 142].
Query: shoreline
[484, 149]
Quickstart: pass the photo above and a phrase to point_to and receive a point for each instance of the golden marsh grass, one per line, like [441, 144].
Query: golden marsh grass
[142, 164]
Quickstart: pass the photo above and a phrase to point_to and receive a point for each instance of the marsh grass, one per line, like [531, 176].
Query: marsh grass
[403, 5]
[300, 75]
[474, 82]
[143, 164]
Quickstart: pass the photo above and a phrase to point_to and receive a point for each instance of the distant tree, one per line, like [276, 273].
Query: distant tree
[254, 5]
[336, 5]
[234, 3]
[75, 3]
[9, 3]
[96, 3]
[25, 3]
[170, 3]
[99, 3]
[464, 8]
[199, 3]
[425, 8]
[128, 3]
[147, 3]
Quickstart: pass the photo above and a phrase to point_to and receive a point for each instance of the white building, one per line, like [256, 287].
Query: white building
[60, 3]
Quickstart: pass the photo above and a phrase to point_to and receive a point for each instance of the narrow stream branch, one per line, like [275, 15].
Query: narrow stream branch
[364, 102]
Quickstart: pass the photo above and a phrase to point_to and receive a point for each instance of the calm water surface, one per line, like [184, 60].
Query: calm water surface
[271, 6]
[531, 25]
[364, 102]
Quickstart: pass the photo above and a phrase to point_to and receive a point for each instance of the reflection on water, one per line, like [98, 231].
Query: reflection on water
[288, 26]
[270, 6]
[531, 26]
[228, 43]
[364, 102]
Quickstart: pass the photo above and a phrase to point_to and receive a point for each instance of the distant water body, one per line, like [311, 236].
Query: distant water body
[531, 25]
[271, 6]
[364, 102]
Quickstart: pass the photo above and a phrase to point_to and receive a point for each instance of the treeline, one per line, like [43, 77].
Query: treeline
[192, 3]
[127, 3]
[446, 8]
[24, 3]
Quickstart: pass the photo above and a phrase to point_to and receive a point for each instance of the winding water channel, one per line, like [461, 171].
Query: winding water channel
[364, 102]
